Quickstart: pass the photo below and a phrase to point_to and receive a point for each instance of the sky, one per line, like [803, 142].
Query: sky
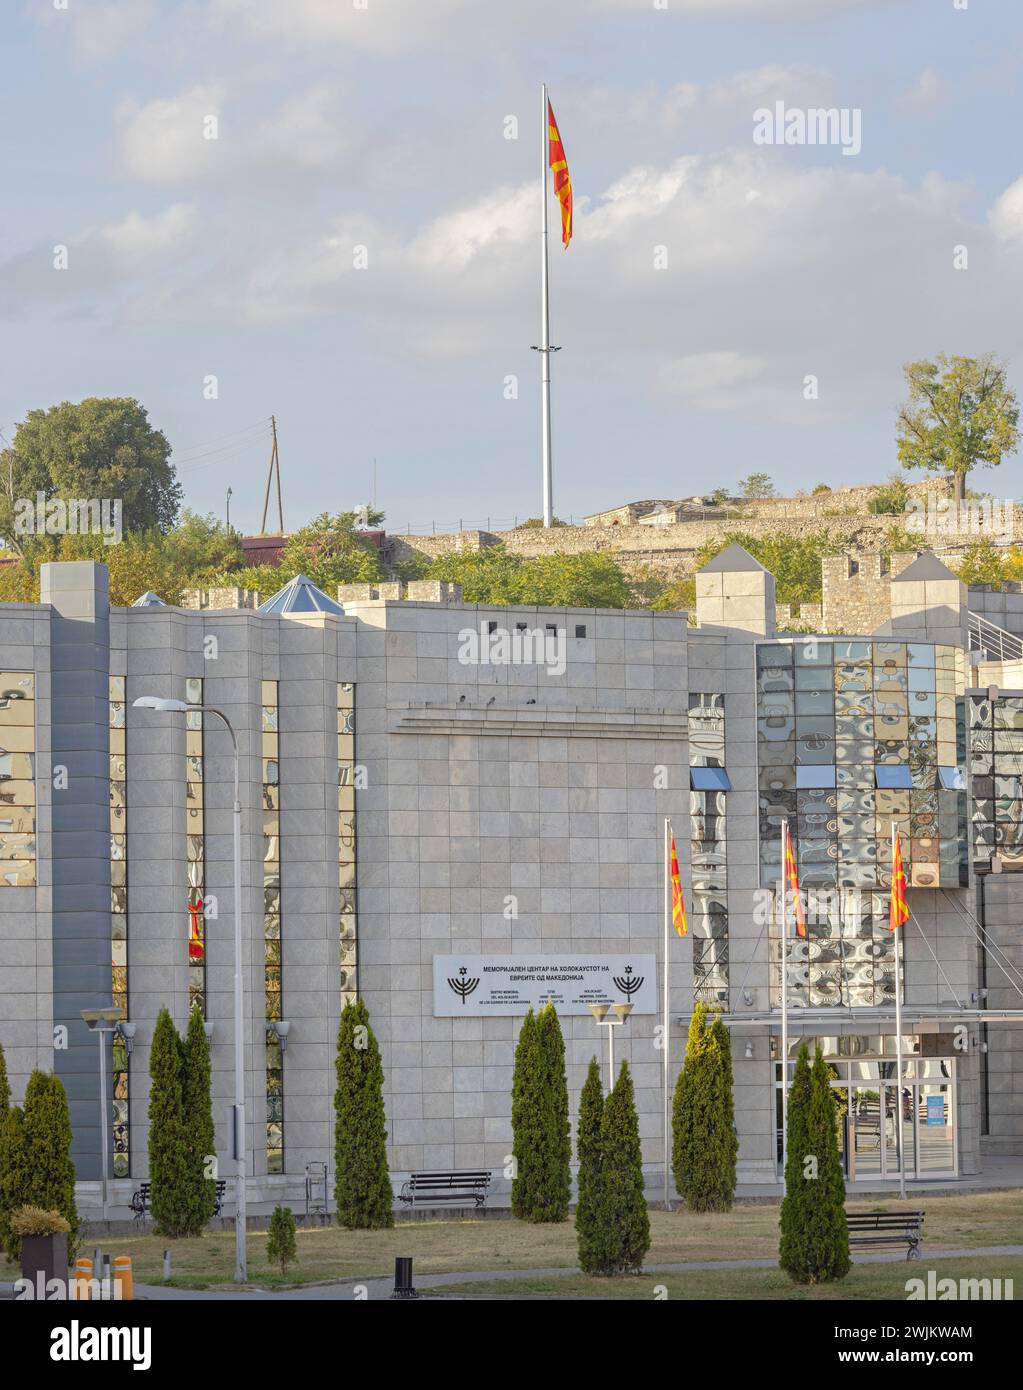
[313, 209]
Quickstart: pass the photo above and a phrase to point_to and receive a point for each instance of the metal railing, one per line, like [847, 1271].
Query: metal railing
[992, 641]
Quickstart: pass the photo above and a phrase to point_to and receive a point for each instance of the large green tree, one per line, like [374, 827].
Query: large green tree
[588, 1152]
[14, 1176]
[96, 448]
[46, 1136]
[557, 1138]
[704, 1142]
[197, 1118]
[622, 1216]
[169, 1168]
[362, 1180]
[494, 575]
[961, 414]
[814, 1245]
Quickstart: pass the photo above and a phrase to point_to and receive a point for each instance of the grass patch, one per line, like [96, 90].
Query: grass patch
[864, 1282]
[749, 1231]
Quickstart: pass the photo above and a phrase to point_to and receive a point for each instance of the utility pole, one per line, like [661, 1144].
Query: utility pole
[275, 467]
[229, 509]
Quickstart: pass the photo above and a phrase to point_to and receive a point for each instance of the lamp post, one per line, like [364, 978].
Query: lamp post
[602, 1013]
[168, 706]
[101, 1022]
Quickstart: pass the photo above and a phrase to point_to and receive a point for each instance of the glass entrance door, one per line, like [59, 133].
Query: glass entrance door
[874, 1143]
[935, 1128]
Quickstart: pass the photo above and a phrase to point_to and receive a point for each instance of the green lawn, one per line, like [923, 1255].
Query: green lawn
[862, 1282]
[749, 1231]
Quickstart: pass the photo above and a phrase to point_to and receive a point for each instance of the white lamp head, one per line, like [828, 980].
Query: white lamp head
[163, 706]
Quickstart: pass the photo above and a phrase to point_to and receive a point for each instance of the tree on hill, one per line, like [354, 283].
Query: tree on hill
[493, 575]
[793, 559]
[961, 414]
[757, 486]
[95, 448]
[814, 1246]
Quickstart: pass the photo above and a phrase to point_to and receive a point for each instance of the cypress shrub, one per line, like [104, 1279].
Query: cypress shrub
[362, 1180]
[554, 1168]
[169, 1158]
[526, 1118]
[622, 1218]
[685, 1111]
[587, 1146]
[13, 1177]
[197, 1115]
[705, 1146]
[5, 1085]
[49, 1172]
[814, 1246]
[280, 1246]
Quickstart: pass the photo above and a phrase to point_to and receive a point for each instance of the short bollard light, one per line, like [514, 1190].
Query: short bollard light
[403, 1278]
[166, 1266]
[81, 1289]
[123, 1278]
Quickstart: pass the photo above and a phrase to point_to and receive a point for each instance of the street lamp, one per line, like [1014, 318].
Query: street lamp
[101, 1022]
[165, 706]
[602, 1013]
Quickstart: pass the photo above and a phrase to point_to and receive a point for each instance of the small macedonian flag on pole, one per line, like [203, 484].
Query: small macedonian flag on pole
[898, 906]
[792, 885]
[678, 907]
[562, 181]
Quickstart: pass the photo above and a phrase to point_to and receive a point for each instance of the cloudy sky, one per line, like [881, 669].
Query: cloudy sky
[709, 274]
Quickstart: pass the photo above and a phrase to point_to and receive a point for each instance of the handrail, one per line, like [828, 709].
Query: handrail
[993, 641]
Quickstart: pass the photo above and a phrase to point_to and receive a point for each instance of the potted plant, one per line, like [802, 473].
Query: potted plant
[44, 1256]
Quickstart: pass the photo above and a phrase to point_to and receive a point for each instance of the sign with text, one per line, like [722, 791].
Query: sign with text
[467, 986]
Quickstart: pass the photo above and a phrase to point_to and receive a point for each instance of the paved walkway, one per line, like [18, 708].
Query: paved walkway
[378, 1288]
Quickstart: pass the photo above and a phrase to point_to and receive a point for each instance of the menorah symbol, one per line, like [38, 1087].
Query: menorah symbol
[463, 987]
[628, 986]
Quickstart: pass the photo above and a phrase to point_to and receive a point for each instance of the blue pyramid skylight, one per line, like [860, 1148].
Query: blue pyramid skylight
[301, 596]
[149, 600]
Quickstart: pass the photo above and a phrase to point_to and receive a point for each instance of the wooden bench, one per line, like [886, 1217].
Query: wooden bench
[463, 1187]
[140, 1200]
[888, 1228]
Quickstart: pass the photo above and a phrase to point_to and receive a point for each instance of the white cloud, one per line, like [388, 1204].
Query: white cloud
[1006, 216]
[138, 241]
[387, 26]
[168, 139]
[927, 93]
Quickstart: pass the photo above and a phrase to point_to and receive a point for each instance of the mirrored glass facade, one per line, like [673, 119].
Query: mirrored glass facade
[17, 779]
[995, 734]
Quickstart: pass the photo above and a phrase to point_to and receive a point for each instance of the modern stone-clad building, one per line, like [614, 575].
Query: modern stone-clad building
[445, 806]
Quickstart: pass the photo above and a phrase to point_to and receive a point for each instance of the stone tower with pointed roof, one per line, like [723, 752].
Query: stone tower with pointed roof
[735, 591]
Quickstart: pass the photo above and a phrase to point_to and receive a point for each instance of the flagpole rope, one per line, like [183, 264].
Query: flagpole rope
[985, 945]
[937, 962]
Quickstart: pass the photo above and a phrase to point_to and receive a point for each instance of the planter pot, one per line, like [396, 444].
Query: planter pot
[44, 1258]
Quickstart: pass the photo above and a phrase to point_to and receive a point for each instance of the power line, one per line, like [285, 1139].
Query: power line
[258, 425]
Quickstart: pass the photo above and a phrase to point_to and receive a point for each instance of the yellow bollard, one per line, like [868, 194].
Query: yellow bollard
[122, 1275]
[81, 1279]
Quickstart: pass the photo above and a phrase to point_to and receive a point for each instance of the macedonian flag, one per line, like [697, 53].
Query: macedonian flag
[792, 885]
[562, 182]
[678, 907]
[898, 906]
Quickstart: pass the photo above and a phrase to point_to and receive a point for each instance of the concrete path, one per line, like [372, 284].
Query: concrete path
[377, 1288]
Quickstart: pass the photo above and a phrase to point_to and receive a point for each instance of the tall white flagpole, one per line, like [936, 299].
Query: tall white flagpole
[545, 318]
[666, 1031]
[898, 1042]
[784, 1004]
